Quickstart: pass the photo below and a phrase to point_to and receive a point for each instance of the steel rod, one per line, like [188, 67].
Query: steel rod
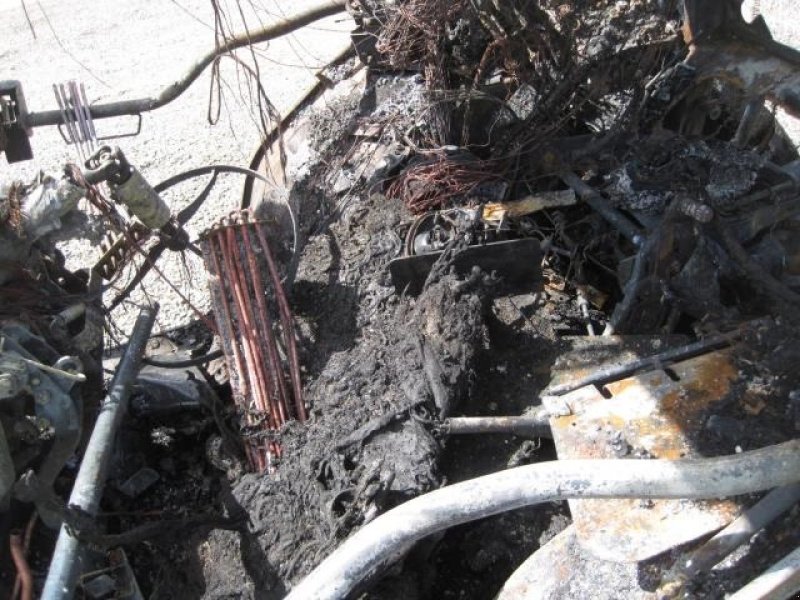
[524, 426]
[168, 94]
[69, 559]
[615, 372]
[288, 325]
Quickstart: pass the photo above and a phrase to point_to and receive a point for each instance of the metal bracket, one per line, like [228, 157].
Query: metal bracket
[13, 110]
[106, 137]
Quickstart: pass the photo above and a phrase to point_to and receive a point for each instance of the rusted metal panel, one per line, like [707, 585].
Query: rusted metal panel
[658, 414]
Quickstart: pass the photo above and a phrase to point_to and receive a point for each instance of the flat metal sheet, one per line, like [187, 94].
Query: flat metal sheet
[658, 414]
[516, 261]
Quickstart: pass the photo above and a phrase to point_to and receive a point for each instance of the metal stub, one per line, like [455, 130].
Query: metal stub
[140, 198]
[659, 414]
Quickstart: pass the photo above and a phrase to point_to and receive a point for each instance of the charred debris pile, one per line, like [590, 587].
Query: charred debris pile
[530, 256]
[530, 211]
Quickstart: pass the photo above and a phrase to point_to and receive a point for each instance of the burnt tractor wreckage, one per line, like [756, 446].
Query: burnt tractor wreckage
[510, 309]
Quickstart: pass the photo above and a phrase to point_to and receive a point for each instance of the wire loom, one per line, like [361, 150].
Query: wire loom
[257, 331]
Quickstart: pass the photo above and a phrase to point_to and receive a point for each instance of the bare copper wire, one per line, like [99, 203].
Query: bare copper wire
[25, 578]
[266, 383]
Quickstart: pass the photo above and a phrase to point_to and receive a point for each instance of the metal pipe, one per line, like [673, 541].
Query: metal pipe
[267, 335]
[168, 94]
[262, 390]
[615, 372]
[593, 198]
[779, 582]
[532, 426]
[267, 367]
[234, 358]
[392, 534]
[755, 518]
[26, 545]
[69, 559]
[287, 323]
[239, 382]
[249, 333]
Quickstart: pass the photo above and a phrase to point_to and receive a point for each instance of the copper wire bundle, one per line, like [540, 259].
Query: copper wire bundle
[413, 32]
[413, 37]
[257, 331]
[433, 184]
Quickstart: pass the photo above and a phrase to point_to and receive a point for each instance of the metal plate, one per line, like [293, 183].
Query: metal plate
[658, 414]
[516, 261]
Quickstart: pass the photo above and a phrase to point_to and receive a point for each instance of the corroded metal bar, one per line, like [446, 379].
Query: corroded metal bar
[250, 305]
[287, 324]
[274, 358]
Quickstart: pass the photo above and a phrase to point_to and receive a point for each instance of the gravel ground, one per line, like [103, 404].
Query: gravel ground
[133, 48]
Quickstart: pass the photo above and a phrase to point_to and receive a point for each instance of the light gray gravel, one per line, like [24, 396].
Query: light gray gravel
[133, 48]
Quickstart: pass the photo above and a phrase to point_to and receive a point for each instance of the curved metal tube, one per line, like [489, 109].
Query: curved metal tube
[24, 575]
[389, 536]
[168, 94]
[250, 173]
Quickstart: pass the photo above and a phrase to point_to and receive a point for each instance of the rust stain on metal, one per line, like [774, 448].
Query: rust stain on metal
[657, 414]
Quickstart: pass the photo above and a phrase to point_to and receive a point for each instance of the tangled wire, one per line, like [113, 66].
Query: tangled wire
[434, 183]
[414, 36]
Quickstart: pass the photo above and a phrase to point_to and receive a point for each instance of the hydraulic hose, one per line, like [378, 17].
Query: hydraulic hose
[392, 534]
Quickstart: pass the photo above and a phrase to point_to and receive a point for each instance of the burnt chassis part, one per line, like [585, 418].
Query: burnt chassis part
[13, 131]
[705, 65]
[517, 261]
[69, 557]
[23, 359]
[722, 44]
